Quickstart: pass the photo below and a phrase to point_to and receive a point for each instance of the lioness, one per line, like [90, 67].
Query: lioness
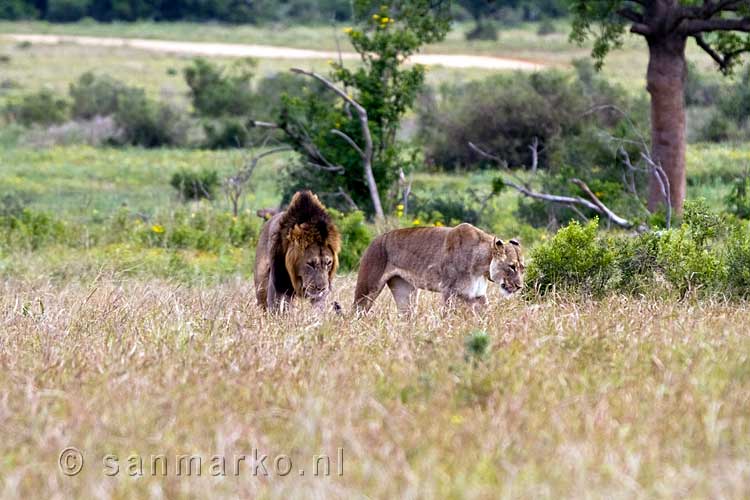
[454, 261]
[297, 254]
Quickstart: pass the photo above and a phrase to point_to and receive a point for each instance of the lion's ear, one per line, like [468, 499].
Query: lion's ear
[515, 242]
[499, 243]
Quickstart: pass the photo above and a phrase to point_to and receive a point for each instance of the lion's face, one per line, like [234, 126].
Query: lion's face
[313, 272]
[506, 268]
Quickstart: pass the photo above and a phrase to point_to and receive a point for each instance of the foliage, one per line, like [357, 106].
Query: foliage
[384, 37]
[738, 200]
[355, 238]
[29, 229]
[43, 108]
[504, 114]
[573, 260]
[738, 261]
[477, 345]
[149, 123]
[217, 91]
[96, 95]
[192, 185]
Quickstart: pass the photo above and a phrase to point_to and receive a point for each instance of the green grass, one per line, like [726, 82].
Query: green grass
[79, 181]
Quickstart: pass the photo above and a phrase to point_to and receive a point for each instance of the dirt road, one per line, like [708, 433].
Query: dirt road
[271, 52]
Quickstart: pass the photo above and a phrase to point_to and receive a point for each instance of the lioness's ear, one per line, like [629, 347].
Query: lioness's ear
[515, 242]
[499, 243]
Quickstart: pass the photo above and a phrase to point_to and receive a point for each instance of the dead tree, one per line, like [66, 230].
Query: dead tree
[365, 152]
[234, 185]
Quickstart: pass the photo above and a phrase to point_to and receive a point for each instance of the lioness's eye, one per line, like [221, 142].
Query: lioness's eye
[311, 264]
[513, 267]
[328, 263]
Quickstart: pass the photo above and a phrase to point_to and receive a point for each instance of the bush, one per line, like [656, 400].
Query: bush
[738, 200]
[43, 108]
[217, 91]
[355, 238]
[29, 229]
[483, 31]
[738, 261]
[504, 114]
[94, 95]
[148, 123]
[192, 185]
[226, 133]
[574, 260]
[546, 27]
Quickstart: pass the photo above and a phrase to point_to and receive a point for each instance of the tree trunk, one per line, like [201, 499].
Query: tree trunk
[667, 69]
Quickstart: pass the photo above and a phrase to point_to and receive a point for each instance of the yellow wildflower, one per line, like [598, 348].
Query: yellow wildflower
[417, 222]
[348, 30]
[385, 20]
[400, 206]
[157, 228]
[439, 224]
[457, 419]
[375, 16]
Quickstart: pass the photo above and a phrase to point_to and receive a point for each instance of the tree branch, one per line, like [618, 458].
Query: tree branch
[696, 26]
[602, 207]
[350, 141]
[368, 149]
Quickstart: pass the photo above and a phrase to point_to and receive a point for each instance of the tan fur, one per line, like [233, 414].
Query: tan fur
[456, 262]
[297, 253]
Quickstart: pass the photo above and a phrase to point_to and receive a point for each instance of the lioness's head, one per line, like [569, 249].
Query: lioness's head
[312, 260]
[506, 268]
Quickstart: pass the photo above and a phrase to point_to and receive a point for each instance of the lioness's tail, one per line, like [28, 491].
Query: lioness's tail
[370, 278]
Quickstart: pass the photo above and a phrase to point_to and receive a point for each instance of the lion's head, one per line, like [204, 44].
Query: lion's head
[506, 268]
[311, 246]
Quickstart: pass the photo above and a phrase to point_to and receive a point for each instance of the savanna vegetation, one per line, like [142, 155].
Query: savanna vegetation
[130, 186]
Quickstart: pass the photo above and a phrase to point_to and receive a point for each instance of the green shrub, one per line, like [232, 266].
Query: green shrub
[217, 91]
[31, 230]
[43, 107]
[546, 27]
[738, 200]
[483, 31]
[195, 185]
[355, 238]
[226, 133]
[638, 261]
[95, 95]
[574, 260]
[477, 345]
[738, 261]
[148, 123]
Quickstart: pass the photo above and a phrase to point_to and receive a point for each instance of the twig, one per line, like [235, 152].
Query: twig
[602, 207]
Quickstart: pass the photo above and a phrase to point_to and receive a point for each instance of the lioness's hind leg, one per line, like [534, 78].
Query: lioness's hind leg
[404, 294]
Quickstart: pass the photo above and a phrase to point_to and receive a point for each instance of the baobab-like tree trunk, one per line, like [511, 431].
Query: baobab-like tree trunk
[667, 69]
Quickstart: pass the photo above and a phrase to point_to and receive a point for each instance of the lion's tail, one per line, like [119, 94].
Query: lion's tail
[370, 278]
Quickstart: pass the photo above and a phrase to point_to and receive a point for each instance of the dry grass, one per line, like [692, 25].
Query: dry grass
[623, 398]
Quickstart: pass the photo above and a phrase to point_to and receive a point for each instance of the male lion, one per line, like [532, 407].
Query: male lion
[297, 254]
[454, 261]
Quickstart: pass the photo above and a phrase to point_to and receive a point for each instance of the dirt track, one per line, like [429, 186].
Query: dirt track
[270, 52]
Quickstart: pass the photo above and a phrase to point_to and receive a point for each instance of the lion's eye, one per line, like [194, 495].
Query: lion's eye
[328, 263]
[513, 267]
[311, 265]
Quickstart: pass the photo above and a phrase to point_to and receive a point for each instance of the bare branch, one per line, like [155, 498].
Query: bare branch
[350, 141]
[571, 200]
[258, 123]
[602, 207]
[368, 149]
